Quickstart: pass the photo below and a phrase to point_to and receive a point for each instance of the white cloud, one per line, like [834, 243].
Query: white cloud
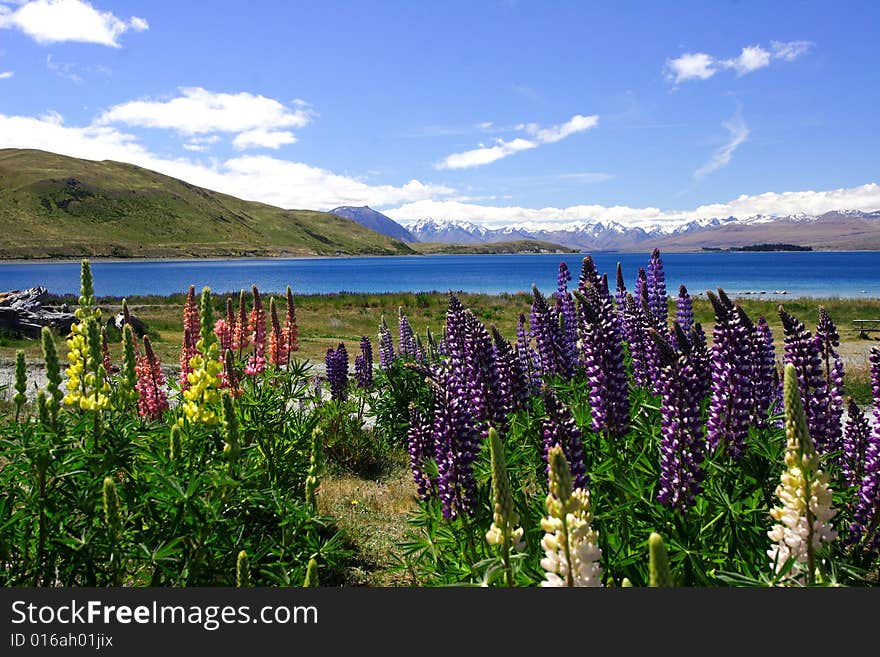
[139, 24]
[57, 21]
[739, 132]
[702, 66]
[750, 59]
[270, 180]
[551, 135]
[5, 75]
[199, 111]
[690, 66]
[790, 50]
[260, 138]
[865, 197]
[501, 148]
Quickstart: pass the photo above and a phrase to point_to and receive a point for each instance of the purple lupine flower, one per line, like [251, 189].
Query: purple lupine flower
[363, 364]
[652, 355]
[832, 369]
[589, 274]
[730, 402]
[386, 346]
[528, 358]
[864, 530]
[641, 290]
[603, 362]
[620, 294]
[634, 324]
[856, 437]
[337, 372]
[681, 427]
[560, 429]
[656, 287]
[407, 341]
[554, 358]
[565, 303]
[456, 447]
[512, 380]
[803, 351]
[684, 310]
[700, 360]
[764, 374]
[481, 376]
[420, 441]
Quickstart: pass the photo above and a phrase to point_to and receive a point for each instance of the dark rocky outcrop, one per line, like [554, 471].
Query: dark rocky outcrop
[22, 313]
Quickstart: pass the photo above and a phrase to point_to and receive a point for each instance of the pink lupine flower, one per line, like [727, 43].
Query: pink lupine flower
[191, 328]
[240, 336]
[291, 330]
[257, 328]
[223, 331]
[152, 399]
[277, 345]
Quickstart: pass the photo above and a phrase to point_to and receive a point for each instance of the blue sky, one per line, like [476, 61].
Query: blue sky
[495, 111]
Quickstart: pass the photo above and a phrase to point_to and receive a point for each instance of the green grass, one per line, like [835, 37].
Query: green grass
[52, 206]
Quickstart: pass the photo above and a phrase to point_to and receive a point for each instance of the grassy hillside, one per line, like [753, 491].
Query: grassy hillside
[57, 206]
[516, 246]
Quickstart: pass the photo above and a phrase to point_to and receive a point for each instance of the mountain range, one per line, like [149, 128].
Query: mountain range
[838, 230]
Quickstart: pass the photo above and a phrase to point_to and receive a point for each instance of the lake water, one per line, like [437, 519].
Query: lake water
[818, 274]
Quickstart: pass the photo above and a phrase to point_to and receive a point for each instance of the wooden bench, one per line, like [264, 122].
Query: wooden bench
[866, 326]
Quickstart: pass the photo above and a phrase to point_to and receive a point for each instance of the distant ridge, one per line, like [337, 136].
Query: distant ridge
[842, 230]
[370, 218]
[57, 206]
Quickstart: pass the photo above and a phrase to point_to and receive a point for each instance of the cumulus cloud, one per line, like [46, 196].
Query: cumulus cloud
[738, 133]
[750, 59]
[691, 66]
[260, 138]
[864, 197]
[702, 66]
[501, 149]
[199, 111]
[270, 180]
[57, 21]
[5, 75]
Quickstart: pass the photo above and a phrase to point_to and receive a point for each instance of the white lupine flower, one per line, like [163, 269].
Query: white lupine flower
[567, 525]
[803, 519]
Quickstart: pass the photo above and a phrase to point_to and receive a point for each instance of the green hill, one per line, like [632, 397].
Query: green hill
[57, 206]
[514, 246]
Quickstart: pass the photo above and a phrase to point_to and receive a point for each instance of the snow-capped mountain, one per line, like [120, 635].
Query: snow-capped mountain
[803, 229]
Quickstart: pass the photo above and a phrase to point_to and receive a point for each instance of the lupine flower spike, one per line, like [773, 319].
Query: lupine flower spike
[570, 544]
[658, 562]
[257, 328]
[865, 528]
[240, 335]
[20, 396]
[277, 347]
[804, 516]
[53, 374]
[363, 364]
[152, 398]
[505, 531]
[191, 331]
[203, 394]
[291, 329]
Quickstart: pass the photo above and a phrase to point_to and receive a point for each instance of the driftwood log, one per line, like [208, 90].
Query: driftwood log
[22, 313]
